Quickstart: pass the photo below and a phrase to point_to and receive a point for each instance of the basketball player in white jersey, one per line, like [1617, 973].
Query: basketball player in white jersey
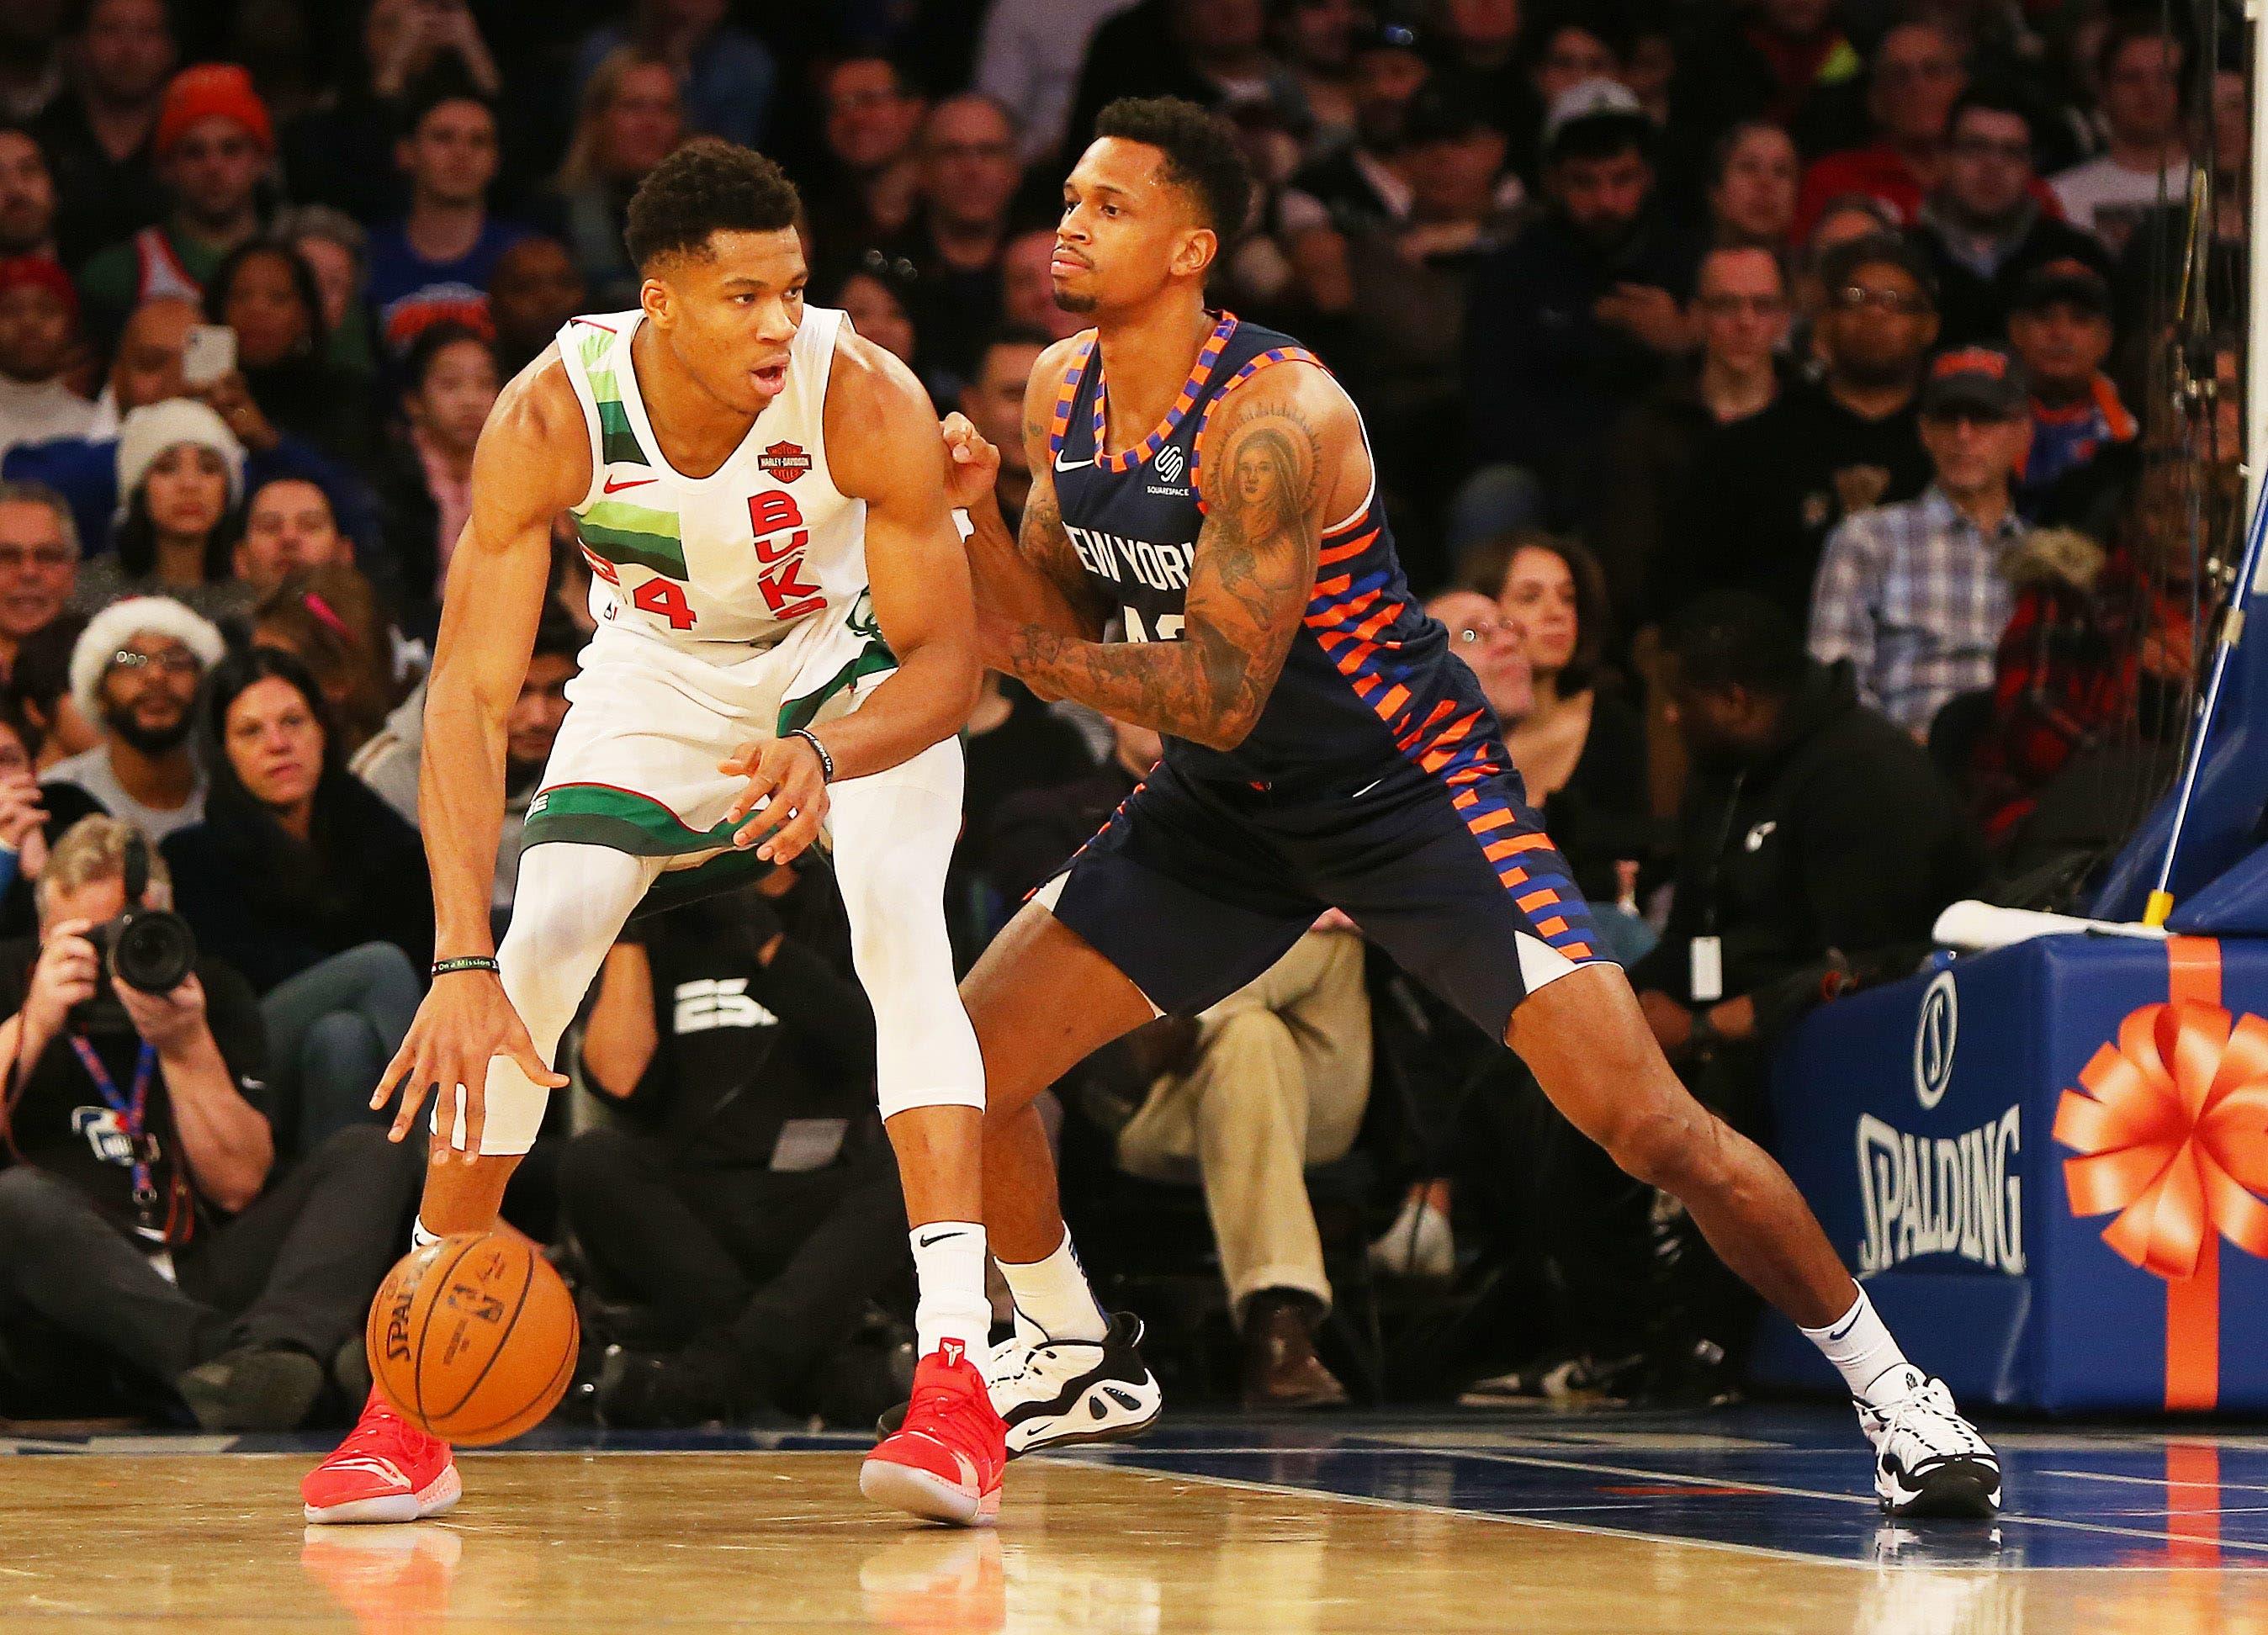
[784, 641]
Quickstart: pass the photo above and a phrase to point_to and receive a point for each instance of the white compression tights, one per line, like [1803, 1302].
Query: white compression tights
[894, 835]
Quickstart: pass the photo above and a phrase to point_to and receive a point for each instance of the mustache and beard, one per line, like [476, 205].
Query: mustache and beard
[125, 721]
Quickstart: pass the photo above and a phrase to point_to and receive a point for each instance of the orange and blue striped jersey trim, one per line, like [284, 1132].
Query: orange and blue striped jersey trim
[1350, 613]
[1067, 394]
[1200, 374]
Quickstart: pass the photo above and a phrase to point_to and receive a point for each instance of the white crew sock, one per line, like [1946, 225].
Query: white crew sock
[949, 1267]
[1052, 1294]
[1859, 1345]
[420, 1237]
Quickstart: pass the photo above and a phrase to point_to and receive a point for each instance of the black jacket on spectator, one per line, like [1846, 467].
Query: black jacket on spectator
[1602, 814]
[1767, 491]
[99, 201]
[1843, 836]
[745, 1046]
[1972, 307]
[59, 1123]
[1545, 379]
[272, 907]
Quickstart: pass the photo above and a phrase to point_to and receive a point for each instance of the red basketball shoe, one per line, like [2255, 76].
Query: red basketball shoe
[386, 1470]
[945, 1462]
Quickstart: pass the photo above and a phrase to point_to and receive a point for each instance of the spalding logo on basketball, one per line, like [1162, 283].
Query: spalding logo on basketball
[472, 1339]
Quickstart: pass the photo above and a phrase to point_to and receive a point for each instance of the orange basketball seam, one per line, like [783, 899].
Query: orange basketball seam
[418, 1351]
[554, 1388]
[503, 1333]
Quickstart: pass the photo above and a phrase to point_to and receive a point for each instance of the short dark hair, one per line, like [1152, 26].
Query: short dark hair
[2125, 28]
[446, 81]
[556, 635]
[1840, 264]
[433, 340]
[1203, 157]
[707, 186]
[1736, 638]
[1485, 566]
[1996, 98]
[1607, 135]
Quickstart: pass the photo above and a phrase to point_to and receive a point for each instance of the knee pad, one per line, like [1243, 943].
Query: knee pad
[514, 1111]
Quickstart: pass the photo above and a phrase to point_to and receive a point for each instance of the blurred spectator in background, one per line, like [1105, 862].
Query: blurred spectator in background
[308, 884]
[30, 65]
[337, 251]
[213, 145]
[388, 762]
[1316, 39]
[1784, 61]
[969, 179]
[760, 1214]
[180, 477]
[38, 565]
[341, 151]
[1776, 483]
[1570, 322]
[1028, 58]
[2157, 244]
[288, 526]
[22, 819]
[134, 674]
[449, 386]
[726, 75]
[877, 293]
[328, 619]
[38, 334]
[2140, 69]
[39, 688]
[1846, 217]
[1213, 52]
[436, 262]
[1358, 182]
[1752, 187]
[873, 120]
[1492, 644]
[2059, 330]
[165, 1235]
[1027, 290]
[28, 198]
[536, 288]
[283, 384]
[994, 403]
[1479, 55]
[1915, 595]
[1740, 312]
[1916, 75]
[97, 135]
[1245, 1097]
[1982, 227]
[1034, 834]
[628, 121]
[1581, 749]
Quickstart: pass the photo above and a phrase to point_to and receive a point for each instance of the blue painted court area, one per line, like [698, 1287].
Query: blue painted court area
[1790, 1481]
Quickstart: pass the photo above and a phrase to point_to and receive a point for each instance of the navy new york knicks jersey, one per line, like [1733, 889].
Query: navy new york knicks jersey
[1369, 678]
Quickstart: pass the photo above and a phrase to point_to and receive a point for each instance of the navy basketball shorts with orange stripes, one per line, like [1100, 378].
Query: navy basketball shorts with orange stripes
[1194, 889]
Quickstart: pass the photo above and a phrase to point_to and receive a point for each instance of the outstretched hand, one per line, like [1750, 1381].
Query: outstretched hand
[466, 1020]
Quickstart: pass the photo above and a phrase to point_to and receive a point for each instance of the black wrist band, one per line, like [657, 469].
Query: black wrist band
[464, 962]
[826, 761]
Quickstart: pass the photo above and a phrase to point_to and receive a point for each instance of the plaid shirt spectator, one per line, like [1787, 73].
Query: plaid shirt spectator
[1916, 597]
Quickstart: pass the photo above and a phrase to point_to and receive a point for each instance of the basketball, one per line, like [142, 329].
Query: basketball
[472, 1339]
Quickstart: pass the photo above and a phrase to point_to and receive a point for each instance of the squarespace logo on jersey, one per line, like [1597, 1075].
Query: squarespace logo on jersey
[1940, 1195]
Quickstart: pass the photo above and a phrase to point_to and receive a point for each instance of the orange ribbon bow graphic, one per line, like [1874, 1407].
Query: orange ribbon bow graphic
[2173, 1135]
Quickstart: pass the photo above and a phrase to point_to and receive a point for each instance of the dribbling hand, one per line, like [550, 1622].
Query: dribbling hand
[971, 463]
[464, 1020]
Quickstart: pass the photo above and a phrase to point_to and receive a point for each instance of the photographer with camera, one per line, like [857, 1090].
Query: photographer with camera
[135, 1213]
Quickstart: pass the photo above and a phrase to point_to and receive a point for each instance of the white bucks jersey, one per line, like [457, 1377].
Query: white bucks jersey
[714, 566]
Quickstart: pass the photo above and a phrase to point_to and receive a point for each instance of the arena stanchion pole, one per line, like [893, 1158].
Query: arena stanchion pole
[2242, 593]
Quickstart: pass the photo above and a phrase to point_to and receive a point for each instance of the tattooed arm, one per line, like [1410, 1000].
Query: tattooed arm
[1032, 576]
[1280, 449]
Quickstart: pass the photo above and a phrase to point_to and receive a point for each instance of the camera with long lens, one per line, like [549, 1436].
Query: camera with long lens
[149, 949]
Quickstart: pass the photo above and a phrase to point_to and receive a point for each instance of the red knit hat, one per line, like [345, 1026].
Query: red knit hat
[212, 90]
[44, 271]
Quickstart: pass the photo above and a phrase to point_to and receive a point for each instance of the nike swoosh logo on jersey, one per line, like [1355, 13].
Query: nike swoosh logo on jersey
[614, 487]
[1072, 465]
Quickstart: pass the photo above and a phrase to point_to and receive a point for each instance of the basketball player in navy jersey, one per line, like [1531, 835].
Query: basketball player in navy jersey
[1205, 484]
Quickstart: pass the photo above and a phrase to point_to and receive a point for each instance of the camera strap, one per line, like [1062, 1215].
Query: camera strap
[134, 1110]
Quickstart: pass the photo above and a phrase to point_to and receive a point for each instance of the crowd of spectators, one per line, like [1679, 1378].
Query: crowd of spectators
[1758, 388]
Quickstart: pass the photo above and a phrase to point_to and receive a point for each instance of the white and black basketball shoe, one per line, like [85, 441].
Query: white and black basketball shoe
[1054, 1393]
[1928, 1460]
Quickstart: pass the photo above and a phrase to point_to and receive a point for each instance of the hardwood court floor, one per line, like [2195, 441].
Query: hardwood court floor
[1610, 1523]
